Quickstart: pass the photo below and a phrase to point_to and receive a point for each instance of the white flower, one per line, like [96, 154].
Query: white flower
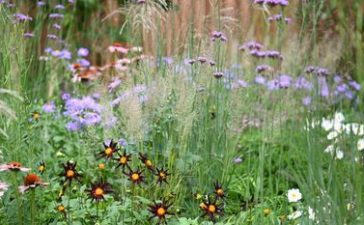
[311, 213]
[327, 124]
[294, 195]
[360, 144]
[329, 149]
[332, 135]
[339, 154]
[339, 117]
[295, 215]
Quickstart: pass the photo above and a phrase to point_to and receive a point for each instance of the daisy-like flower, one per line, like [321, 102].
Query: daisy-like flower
[123, 160]
[294, 195]
[360, 144]
[160, 211]
[41, 167]
[147, 162]
[70, 173]
[99, 190]
[219, 191]
[162, 175]
[295, 215]
[109, 150]
[211, 209]
[13, 166]
[31, 181]
[61, 208]
[135, 176]
[118, 47]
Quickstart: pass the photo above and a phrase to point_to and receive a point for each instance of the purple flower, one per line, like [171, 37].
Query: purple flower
[56, 16]
[59, 6]
[341, 88]
[349, 94]
[284, 81]
[260, 80]
[52, 36]
[218, 35]
[83, 52]
[302, 83]
[273, 85]
[252, 45]
[28, 35]
[123, 142]
[168, 60]
[65, 96]
[189, 61]
[238, 160]
[114, 84]
[306, 101]
[355, 85]
[49, 107]
[337, 79]
[40, 3]
[324, 88]
[73, 126]
[202, 59]
[83, 62]
[56, 26]
[242, 83]
[65, 54]
[263, 68]
[20, 17]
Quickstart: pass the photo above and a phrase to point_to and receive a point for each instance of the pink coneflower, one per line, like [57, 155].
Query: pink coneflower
[118, 47]
[3, 188]
[31, 181]
[13, 166]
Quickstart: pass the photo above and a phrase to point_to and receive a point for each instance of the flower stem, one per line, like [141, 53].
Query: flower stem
[32, 206]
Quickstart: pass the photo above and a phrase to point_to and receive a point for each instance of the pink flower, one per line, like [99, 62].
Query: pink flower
[13, 166]
[31, 181]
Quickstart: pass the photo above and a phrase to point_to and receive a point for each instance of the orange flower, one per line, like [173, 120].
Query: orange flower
[31, 180]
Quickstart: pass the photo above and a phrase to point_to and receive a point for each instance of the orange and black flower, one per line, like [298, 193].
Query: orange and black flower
[99, 190]
[109, 150]
[41, 167]
[219, 191]
[35, 115]
[162, 175]
[70, 173]
[160, 211]
[124, 160]
[211, 208]
[147, 162]
[136, 177]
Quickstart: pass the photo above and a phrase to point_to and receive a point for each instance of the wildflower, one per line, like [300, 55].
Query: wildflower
[49, 107]
[31, 181]
[101, 166]
[35, 115]
[147, 162]
[294, 195]
[13, 166]
[202, 59]
[160, 211]
[99, 190]
[267, 211]
[252, 45]
[162, 175]
[59, 6]
[260, 80]
[53, 37]
[28, 35]
[70, 173]
[56, 16]
[41, 167]
[20, 17]
[284, 81]
[263, 68]
[114, 84]
[122, 142]
[218, 35]
[135, 176]
[40, 3]
[123, 160]
[61, 208]
[360, 144]
[238, 160]
[219, 191]
[332, 135]
[83, 52]
[302, 83]
[109, 150]
[83, 62]
[118, 47]
[311, 213]
[306, 101]
[218, 75]
[211, 209]
[295, 215]
[56, 26]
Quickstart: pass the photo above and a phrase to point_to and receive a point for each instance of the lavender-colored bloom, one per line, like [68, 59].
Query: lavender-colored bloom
[110, 122]
[40, 3]
[73, 126]
[242, 83]
[189, 61]
[355, 85]
[56, 16]
[322, 71]
[260, 80]
[83, 52]
[238, 160]
[212, 62]
[324, 88]
[218, 35]
[218, 75]
[20, 17]
[252, 45]
[114, 84]
[349, 94]
[306, 101]
[28, 35]
[90, 118]
[83, 62]
[202, 59]
[258, 53]
[284, 81]
[49, 107]
[65, 96]
[66, 54]
[123, 142]
[168, 60]
[48, 50]
[273, 54]
[341, 88]
[337, 79]
[263, 68]
[52, 36]
[273, 85]
[59, 6]
[56, 26]
[302, 83]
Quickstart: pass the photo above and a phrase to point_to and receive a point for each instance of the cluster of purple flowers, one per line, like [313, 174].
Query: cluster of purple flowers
[279, 17]
[218, 35]
[60, 54]
[83, 53]
[82, 112]
[20, 17]
[266, 54]
[200, 59]
[251, 45]
[320, 71]
[263, 68]
[272, 3]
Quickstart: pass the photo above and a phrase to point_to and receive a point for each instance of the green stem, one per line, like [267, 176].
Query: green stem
[32, 206]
